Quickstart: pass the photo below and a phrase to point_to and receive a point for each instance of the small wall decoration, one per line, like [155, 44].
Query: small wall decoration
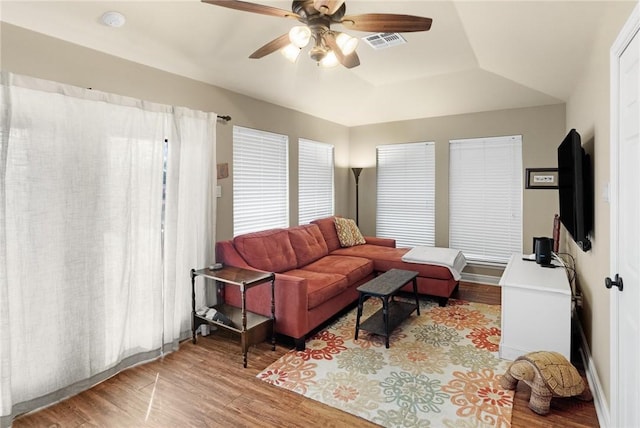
[542, 178]
[223, 170]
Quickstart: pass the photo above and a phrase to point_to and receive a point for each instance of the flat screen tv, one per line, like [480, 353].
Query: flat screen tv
[575, 189]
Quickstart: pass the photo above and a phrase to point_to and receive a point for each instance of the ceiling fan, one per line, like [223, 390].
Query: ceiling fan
[329, 47]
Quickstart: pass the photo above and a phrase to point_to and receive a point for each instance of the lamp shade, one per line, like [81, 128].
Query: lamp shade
[356, 173]
[300, 35]
[291, 52]
[346, 43]
[330, 60]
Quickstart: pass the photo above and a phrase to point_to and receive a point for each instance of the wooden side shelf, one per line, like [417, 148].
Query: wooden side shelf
[252, 328]
[235, 315]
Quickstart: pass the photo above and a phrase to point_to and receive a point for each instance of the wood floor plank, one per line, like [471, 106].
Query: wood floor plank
[205, 385]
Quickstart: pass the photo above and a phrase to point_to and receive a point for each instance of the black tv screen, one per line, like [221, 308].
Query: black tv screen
[575, 189]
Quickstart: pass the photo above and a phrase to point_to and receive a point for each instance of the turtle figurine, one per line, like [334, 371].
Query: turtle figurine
[549, 375]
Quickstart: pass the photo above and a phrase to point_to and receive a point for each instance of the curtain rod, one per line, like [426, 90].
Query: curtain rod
[224, 117]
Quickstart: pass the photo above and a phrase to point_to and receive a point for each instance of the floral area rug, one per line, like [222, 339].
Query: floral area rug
[441, 369]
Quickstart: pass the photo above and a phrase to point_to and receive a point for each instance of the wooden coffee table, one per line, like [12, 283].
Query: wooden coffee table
[393, 312]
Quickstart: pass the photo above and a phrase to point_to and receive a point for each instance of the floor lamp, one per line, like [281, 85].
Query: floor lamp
[356, 174]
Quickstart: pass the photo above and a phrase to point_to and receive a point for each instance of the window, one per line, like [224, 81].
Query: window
[406, 193]
[485, 198]
[315, 181]
[260, 180]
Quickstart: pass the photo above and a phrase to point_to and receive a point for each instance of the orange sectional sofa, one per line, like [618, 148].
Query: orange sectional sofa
[315, 277]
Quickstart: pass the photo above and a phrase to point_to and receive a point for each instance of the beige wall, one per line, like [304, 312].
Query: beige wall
[33, 54]
[588, 111]
[542, 130]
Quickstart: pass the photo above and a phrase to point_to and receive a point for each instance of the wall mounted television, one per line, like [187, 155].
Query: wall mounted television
[575, 189]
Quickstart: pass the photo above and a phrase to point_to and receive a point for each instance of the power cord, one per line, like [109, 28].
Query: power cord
[576, 299]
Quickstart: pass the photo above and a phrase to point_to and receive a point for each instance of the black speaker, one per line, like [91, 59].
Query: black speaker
[543, 247]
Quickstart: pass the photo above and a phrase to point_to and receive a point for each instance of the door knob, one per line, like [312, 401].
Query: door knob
[617, 281]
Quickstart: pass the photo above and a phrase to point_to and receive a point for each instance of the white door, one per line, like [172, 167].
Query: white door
[625, 226]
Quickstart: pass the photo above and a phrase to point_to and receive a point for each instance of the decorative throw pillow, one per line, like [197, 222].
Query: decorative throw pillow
[348, 232]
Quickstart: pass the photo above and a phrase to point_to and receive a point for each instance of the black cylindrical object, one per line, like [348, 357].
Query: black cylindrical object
[543, 247]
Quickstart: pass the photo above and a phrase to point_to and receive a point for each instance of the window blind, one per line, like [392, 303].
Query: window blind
[260, 180]
[315, 181]
[406, 193]
[485, 197]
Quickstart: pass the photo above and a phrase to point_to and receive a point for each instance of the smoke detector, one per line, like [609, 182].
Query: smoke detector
[113, 19]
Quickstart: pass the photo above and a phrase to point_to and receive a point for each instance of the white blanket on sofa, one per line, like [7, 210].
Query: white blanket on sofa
[447, 257]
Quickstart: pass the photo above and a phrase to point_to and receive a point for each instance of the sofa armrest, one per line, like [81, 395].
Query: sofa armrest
[292, 313]
[384, 242]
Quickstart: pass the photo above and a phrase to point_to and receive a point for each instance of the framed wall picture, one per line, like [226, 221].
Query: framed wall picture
[223, 170]
[541, 178]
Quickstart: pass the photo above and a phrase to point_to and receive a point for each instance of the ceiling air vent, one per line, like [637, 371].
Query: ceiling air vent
[384, 40]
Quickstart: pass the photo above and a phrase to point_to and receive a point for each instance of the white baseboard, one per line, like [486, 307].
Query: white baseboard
[480, 279]
[599, 399]
[510, 353]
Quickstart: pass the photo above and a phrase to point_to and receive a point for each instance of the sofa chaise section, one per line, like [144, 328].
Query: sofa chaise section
[437, 281]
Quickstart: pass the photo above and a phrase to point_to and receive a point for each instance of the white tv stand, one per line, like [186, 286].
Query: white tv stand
[536, 309]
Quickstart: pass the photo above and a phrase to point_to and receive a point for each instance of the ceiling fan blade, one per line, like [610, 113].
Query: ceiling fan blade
[253, 7]
[272, 46]
[348, 61]
[327, 7]
[386, 23]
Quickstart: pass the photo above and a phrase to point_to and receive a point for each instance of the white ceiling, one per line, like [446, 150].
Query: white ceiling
[478, 55]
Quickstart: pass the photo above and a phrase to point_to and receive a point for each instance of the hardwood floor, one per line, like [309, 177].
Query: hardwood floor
[204, 385]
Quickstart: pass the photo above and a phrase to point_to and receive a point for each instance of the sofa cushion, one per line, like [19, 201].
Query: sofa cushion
[354, 268]
[320, 286]
[308, 243]
[268, 250]
[327, 226]
[387, 258]
[348, 232]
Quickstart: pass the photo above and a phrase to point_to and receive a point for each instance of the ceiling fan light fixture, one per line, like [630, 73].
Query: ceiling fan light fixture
[291, 52]
[346, 43]
[330, 60]
[300, 36]
[317, 17]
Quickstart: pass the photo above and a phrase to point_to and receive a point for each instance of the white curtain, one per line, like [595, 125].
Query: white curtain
[84, 288]
[190, 216]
